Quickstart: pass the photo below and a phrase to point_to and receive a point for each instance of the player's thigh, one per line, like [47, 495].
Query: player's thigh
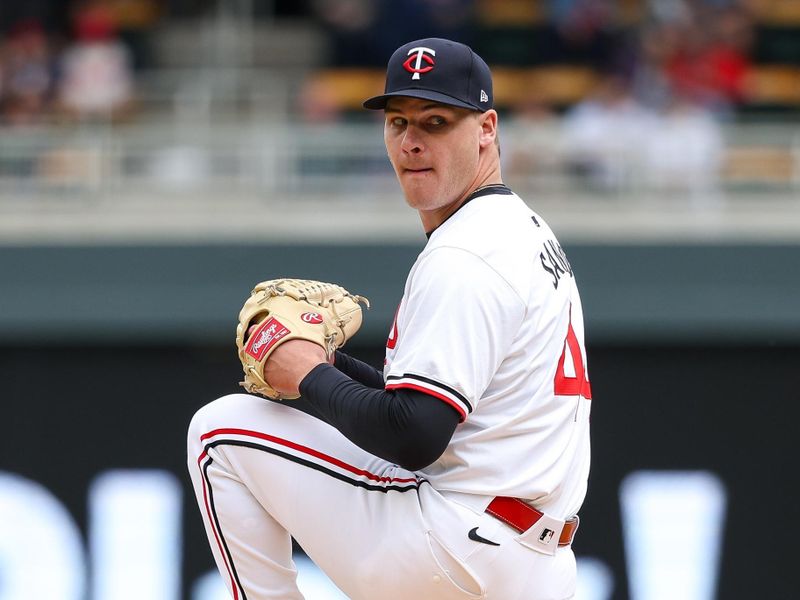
[358, 517]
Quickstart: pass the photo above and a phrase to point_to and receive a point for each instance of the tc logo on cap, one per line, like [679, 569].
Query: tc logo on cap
[419, 54]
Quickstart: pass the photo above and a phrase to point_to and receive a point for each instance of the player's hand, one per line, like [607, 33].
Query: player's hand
[290, 363]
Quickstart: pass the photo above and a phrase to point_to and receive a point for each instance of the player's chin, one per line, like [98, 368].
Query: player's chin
[419, 191]
[419, 200]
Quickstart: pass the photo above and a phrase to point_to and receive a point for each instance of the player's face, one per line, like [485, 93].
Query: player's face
[436, 152]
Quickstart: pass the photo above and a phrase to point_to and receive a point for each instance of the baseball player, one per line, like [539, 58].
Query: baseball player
[458, 471]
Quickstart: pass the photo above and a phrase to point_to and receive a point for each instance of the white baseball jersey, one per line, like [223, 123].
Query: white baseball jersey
[491, 323]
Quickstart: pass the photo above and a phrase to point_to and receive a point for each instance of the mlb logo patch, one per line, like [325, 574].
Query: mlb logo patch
[265, 337]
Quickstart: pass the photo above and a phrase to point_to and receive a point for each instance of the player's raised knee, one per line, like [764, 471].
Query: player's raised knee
[227, 411]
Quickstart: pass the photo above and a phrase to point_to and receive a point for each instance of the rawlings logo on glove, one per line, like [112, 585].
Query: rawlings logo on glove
[280, 310]
[264, 337]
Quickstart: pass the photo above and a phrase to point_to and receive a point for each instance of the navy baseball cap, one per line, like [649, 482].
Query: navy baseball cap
[439, 70]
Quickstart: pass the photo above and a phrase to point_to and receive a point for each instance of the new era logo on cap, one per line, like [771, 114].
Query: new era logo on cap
[441, 70]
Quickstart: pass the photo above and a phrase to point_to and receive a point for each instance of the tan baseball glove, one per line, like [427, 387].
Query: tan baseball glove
[280, 310]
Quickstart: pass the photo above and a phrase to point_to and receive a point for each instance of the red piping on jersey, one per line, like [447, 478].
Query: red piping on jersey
[307, 450]
[419, 388]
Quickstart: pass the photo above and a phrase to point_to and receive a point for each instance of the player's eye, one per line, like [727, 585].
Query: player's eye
[437, 121]
[397, 122]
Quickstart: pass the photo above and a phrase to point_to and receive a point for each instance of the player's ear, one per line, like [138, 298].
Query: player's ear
[488, 124]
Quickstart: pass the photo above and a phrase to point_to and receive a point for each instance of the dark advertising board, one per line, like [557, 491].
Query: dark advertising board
[691, 494]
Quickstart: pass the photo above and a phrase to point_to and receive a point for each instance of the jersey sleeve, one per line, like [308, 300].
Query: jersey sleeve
[406, 427]
[456, 322]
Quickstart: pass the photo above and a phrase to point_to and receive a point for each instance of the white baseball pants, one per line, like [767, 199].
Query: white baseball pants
[263, 472]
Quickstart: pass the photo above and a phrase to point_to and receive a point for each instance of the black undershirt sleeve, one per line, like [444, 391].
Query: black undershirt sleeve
[359, 370]
[406, 427]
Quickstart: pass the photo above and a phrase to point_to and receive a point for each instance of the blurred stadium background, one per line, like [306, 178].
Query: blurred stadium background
[158, 158]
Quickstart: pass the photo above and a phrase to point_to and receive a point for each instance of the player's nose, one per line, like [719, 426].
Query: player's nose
[412, 141]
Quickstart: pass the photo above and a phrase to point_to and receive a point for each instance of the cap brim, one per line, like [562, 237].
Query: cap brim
[379, 102]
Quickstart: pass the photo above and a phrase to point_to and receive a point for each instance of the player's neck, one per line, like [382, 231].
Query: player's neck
[490, 175]
[432, 219]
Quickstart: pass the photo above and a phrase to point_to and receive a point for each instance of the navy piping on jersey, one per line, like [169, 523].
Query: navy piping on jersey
[433, 383]
[312, 465]
[407, 427]
[223, 542]
[487, 190]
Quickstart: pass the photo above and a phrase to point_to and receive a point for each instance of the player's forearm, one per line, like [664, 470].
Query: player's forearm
[359, 370]
[406, 427]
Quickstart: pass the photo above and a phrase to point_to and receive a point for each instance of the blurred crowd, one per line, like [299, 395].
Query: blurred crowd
[78, 66]
[85, 64]
[661, 99]
[697, 49]
[666, 73]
